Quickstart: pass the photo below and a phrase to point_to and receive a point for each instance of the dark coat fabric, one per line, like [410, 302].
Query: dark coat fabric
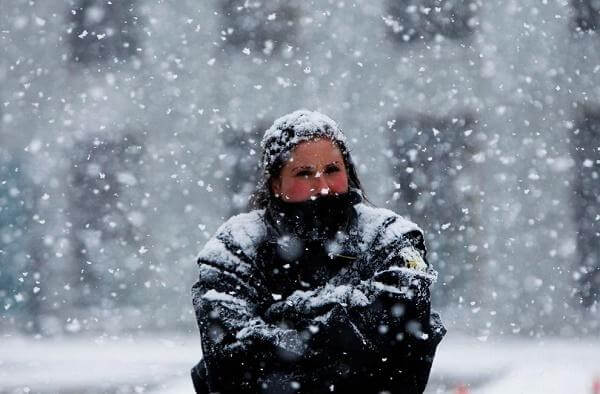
[279, 313]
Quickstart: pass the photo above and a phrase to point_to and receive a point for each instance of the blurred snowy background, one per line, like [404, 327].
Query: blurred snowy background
[129, 130]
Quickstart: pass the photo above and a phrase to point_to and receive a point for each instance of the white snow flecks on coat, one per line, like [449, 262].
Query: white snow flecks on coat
[247, 230]
[398, 228]
[362, 294]
[286, 339]
[221, 274]
[213, 295]
[371, 220]
[348, 301]
[408, 256]
[411, 274]
[329, 294]
[215, 250]
[399, 252]
[413, 259]
[377, 227]
[405, 282]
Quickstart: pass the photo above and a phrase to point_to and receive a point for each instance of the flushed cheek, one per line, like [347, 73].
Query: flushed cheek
[338, 183]
[297, 189]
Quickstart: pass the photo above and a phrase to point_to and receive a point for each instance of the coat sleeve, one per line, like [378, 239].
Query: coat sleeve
[397, 317]
[387, 317]
[237, 344]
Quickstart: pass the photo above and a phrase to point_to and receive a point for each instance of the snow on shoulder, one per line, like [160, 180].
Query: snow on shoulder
[242, 233]
[382, 227]
[371, 221]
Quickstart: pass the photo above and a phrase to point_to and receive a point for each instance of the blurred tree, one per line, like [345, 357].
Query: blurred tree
[106, 227]
[260, 26]
[22, 252]
[586, 15]
[585, 150]
[431, 159]
[243, 164]
[106, 230]
[414, 20]
[102, 31]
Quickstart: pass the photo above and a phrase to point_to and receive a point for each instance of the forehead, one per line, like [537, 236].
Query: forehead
[317, 149]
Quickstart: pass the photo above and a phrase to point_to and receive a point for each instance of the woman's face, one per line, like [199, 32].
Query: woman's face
[315, 167]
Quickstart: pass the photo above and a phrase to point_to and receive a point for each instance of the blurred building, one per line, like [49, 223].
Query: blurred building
[479, 120]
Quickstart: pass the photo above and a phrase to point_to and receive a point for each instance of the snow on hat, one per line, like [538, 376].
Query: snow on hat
[293, 128]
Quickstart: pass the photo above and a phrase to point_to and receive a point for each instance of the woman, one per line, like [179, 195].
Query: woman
[314, 291]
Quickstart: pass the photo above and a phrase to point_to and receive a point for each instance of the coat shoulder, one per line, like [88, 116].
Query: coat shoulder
[392, 237]
[382, 226]
[245, 230]
[236, 241]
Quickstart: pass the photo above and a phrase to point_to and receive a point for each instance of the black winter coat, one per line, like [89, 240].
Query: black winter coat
[278, 315]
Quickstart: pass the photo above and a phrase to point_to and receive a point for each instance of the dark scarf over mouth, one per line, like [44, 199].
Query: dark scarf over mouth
[318, 219]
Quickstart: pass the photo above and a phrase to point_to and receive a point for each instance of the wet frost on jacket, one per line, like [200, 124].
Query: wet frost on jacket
[349, 315]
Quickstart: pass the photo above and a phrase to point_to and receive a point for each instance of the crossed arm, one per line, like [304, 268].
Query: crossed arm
[386, 317]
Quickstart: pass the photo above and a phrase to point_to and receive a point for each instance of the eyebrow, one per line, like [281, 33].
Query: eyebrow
[302, 168]
[312, 167]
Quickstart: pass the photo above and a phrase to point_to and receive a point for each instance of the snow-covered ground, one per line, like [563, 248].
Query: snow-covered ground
[98, 365]
[161, 364]
[517, 365]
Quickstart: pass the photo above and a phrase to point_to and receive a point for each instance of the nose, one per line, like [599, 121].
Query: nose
[322, 185]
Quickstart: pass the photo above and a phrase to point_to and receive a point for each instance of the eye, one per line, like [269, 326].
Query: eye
[331, 169]
[303, 173]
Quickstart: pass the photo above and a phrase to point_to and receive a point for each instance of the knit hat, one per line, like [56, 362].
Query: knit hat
[291, 129]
